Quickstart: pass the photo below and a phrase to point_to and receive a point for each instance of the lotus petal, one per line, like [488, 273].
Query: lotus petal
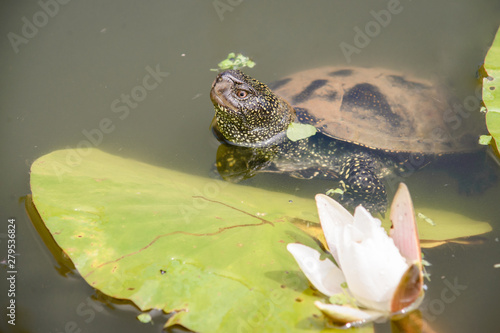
[343, 315]
[409, 290]
[404, 227]
[371, 263]
[323, 274]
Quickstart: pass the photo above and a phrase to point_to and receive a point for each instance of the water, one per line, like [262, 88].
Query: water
[61, 80]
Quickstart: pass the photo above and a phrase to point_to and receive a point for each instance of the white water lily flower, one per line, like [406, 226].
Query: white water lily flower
[380, 277]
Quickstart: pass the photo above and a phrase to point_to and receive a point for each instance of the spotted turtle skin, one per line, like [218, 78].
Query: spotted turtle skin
[370, 122]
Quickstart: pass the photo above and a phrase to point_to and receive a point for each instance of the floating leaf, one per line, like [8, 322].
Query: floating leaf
[485, 140]
[493, 122]
[144, 318]
[491, 90]
[211, 252]
[331, 192]
[234, 61]
[298, 131]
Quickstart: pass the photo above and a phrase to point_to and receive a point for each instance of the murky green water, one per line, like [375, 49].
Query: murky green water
[67, 69]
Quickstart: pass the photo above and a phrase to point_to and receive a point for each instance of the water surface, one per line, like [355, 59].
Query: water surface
[61, 80]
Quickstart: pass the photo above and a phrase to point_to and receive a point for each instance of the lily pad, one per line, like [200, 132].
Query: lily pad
[210, 252]
[491, 90]
[493, 123]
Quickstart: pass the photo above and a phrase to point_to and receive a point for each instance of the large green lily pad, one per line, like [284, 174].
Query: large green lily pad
[211, 252]
[491, 90]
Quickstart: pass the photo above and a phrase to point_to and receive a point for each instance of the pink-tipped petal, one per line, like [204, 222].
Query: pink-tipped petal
[409, 290]
[404, 227]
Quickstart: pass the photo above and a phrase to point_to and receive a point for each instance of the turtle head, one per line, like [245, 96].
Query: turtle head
[246, 110]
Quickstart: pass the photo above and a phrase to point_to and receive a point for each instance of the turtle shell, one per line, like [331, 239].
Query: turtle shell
[380, 109]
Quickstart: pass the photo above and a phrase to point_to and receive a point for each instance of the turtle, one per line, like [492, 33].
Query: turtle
[371, 123]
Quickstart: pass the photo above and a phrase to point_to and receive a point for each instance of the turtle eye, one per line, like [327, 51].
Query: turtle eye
[241, 93]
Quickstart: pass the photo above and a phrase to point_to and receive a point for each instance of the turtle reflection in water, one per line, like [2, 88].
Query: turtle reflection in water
[371, 123]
